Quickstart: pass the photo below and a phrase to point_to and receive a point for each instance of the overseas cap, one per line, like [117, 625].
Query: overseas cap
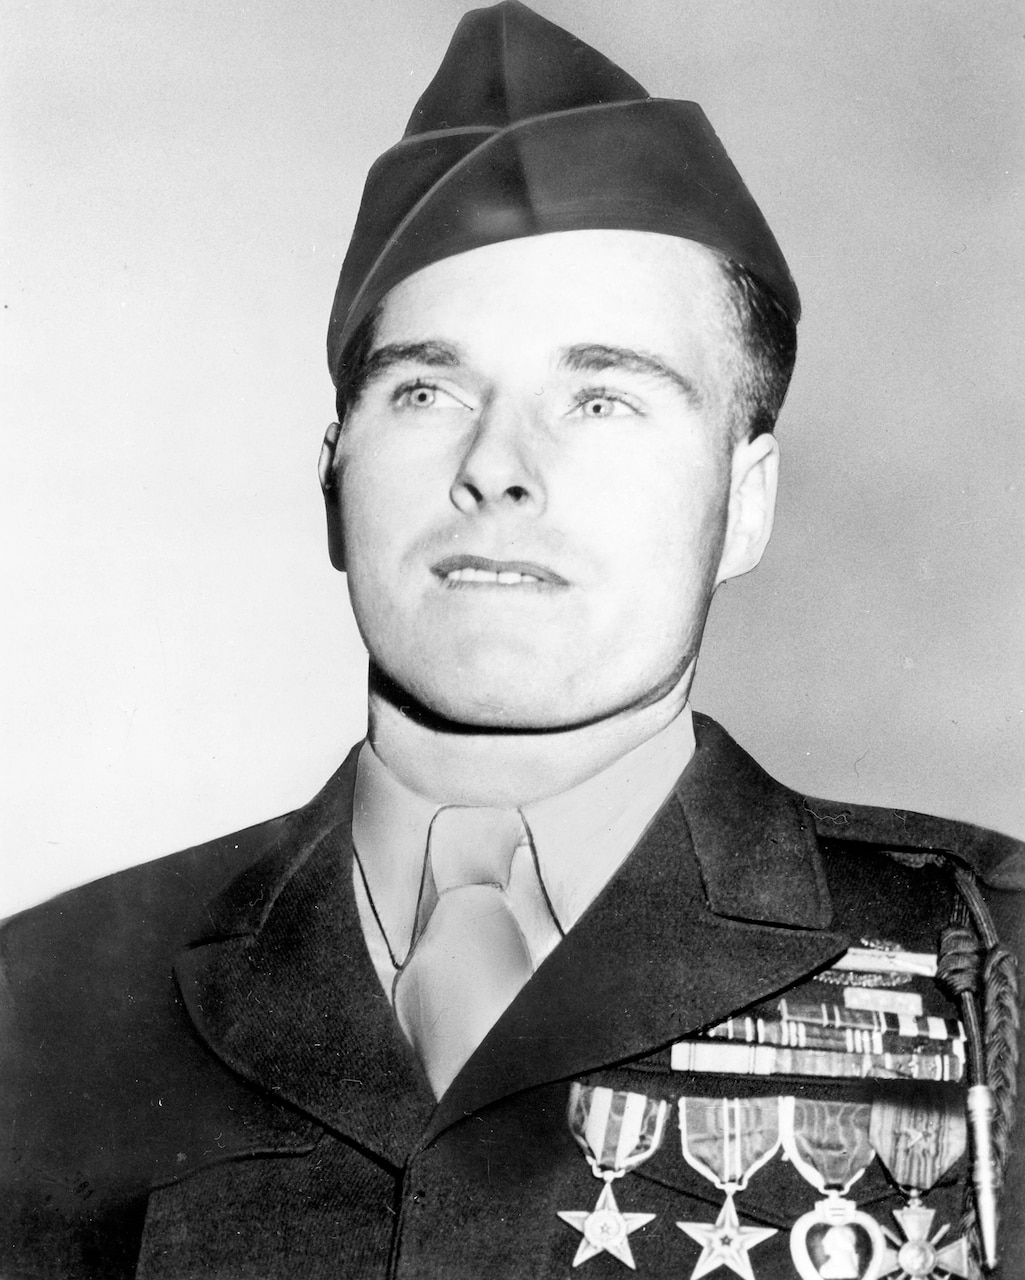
[526, 130]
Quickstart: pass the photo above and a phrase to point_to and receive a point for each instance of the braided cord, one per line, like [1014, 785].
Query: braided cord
[972, 956]
[1000, 983]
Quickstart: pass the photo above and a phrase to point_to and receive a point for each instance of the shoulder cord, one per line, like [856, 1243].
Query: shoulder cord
[971, 956]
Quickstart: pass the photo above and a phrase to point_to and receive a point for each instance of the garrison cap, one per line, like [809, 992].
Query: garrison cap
[526, 130]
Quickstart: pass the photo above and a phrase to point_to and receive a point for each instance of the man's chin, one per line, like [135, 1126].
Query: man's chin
[493, 702]
[496, 712]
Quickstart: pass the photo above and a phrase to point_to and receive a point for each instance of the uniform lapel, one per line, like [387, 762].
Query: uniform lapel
[722, 904]
[283, 990]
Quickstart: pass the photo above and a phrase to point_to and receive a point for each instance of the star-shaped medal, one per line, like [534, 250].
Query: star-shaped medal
[605, 1229]
[918, 1257]
[725, 1244]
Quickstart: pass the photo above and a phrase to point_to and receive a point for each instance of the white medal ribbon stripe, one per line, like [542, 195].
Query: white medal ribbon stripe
[599, 1107]
[629, 1131]
[731, 1141]
[631, 1127]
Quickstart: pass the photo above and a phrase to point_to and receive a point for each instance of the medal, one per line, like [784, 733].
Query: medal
[919, 1257]
[727, 1140]
[828, 1144]
[918, 1141]
[616, 1131]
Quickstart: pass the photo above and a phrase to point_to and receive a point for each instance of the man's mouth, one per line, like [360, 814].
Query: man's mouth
[479, 571]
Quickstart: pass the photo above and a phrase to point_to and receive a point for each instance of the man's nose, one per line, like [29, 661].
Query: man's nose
[499, 464]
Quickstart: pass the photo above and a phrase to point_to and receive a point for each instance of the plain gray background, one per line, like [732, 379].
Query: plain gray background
[182, 178]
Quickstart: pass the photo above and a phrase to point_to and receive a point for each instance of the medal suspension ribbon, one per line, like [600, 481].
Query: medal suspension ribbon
[971, 955]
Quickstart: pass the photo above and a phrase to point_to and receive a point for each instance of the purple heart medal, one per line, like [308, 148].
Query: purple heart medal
[918, 1141]
[616, 1131]
[829, 1146]
[727, 1140]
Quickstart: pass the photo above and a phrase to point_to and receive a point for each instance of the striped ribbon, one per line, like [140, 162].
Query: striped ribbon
[616, 1130]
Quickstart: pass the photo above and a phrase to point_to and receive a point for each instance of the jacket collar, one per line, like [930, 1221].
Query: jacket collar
[722, 903]
[284, 991]
[752, 838]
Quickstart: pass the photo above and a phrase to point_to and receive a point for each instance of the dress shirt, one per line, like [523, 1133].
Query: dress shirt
[574, 842]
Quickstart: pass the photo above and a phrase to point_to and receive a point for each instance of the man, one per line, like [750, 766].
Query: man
[550, 974]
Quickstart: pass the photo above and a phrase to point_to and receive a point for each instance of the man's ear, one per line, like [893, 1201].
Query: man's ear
[753, 479]
[331, 490]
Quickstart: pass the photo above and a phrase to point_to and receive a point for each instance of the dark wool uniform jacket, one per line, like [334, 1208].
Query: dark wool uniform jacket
[203, 1078]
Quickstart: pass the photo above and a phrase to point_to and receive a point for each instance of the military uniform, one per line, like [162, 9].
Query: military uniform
[205, 1078]
[737, 1058]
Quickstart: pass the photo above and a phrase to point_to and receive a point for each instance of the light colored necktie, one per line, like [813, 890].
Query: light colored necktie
[471, 957]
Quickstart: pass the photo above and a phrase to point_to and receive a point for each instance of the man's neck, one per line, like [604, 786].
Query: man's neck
[508, 770]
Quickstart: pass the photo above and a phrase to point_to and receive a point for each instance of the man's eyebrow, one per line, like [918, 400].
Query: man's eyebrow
[596, 357]
[438, 355]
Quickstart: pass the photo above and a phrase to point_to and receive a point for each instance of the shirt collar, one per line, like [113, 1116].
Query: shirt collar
[581, 836]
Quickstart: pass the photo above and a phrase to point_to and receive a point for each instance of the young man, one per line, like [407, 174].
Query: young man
[551, 974]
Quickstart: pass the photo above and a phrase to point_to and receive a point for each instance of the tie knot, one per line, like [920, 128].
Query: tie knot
[472, 846]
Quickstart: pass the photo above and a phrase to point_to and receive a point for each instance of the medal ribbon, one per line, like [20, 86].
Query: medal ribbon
[728, 1139]
[918, 1140]
[615, 1130]
[828, 1142]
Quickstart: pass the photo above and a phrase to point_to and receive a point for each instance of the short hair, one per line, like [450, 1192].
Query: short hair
[355, 362]
[763, 330]
[766, 335]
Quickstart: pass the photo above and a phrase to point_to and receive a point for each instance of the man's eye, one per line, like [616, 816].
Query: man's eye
[425, 395]
[602, 405]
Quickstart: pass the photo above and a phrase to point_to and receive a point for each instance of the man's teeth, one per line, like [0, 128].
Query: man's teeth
[504, 578]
